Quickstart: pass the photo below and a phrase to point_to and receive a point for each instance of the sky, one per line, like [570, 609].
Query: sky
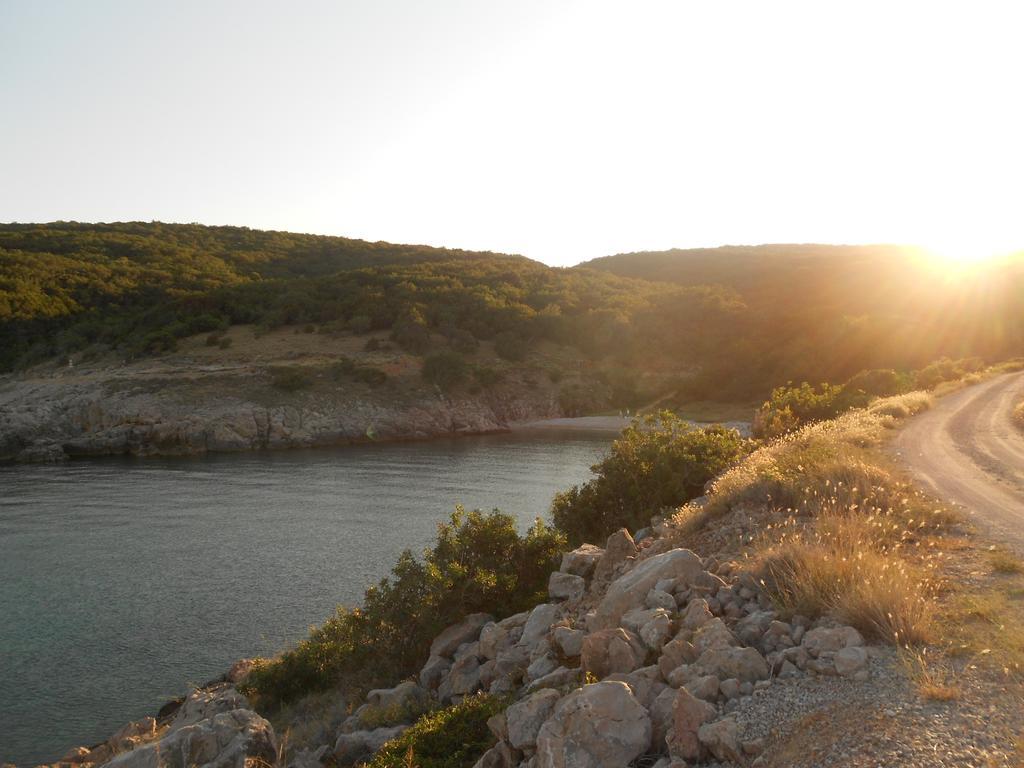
[560, 130]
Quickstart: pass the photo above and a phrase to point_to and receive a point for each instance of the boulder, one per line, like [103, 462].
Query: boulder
[465, 631]
[582, 560]
[822, 639]
[501, 755]
[713, 634]
[541, 666]
[205, 703]
[722, 740]
[745, 664]
[645, 683]
[619, 548]
[240, 670]
[630, 589]
[464, 678]
[597, 726]
[688, 714]
[539, 624]
[234, 738]
[526, 716]
[351, 748]
[611, 650]
[850, 660]
[569, 641]
[704, 687]
[661, 719]
[697, 614]
[561, 679]
[674, 654]
[658, 598]
[407, 696]
[434, 672]
[566, 586]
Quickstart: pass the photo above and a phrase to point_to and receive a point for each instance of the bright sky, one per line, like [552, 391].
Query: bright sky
[559, 130]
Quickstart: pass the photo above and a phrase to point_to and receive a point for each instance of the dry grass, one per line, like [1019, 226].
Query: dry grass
[1004, 562]
[839, 533]
[933, 678]
[987, 626]
[1018, 415]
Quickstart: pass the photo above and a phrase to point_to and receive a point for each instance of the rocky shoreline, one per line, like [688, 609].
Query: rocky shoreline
[646, 651]
[53, 419]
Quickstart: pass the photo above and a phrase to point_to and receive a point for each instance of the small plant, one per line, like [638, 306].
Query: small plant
[224, 343]
[933, 682]
[445, 369]
[290, 379]
[454, 737]
[1005, 562]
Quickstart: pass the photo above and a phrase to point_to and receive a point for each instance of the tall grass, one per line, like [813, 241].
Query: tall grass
[853, 540]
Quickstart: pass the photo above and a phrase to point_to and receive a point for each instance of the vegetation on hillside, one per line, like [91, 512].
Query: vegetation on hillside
[479, 563]
[657, 464]
[824, 312]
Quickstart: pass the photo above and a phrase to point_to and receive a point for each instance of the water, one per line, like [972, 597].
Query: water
[121, 581]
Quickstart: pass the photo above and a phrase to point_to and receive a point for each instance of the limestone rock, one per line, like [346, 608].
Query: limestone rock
[539, 624]
[619, 548]
[359, 745]
[697, 614]
[745, 664]
[465, 631]
[611, 650]
[582, 560]
[566, 586]
[722, 740]
[597, 726]
[850, 660]
[526, 716]
[630, 589]
[234, 738]
[569, 641]
[688, 715]
[822, 639]
[714, 634]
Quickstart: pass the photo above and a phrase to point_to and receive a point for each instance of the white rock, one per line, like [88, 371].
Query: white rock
[597, 726]
[581, 561]
[850, 660]
[525, 717]
[539, 624]
[465, 631]
[569, 641]
[630, 589]
[566, 586]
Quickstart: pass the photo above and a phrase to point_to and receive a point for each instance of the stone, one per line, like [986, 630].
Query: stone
[657, 598]
[750, 629]
[566, 586]
[745, 664]
[351, 748]
[660, 712]
[526, 716]
[135, 733]
[630, 589]
[498, 725]
[543, 665]
[730, 688]
[722, 740]
[674, 654]
[407, 694]
[240, 670]
[645, 683]
[697, 614]
[611, 650]
[822, 639]
[562, 678]
[688, 715]
[493, 638]
[581, 561]
[569, 641]
[850, 660]
[704, 687]
[232, 738]
[539, 624]
[434, 672]
[714, 634]
[464, 677]
[501, 755]
[205, 703]
[465, 631]
[619, 548]
[597, 726]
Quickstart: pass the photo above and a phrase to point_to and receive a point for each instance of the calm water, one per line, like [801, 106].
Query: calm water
[121, 581]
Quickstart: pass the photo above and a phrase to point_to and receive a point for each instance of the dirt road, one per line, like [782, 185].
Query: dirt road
[968, 451]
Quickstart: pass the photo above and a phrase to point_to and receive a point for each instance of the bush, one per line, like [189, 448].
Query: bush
[445, 369]
[789, 407]
[371, 376]
[454, 737]
[658, 462]
[945, 369]
[879, 382]
[479, 562]
[213, 339]
[290, 379]
[510, 346]
[464, 342]
[373, 344]
[225, 342]
[486, 377]
[360, 324]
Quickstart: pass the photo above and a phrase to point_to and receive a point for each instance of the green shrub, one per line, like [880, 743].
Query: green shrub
[486, 377]
[464, 342]
[945, 369]
[225, 342]
[659, 461]
[445, 369]
[479, 562]
[455, 737]
[510, 346]
[290, 379]
[879, 382]
[360, 324]
[213, 339]
[373, 344]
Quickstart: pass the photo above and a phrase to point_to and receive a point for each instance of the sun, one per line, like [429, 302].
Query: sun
[964, 254]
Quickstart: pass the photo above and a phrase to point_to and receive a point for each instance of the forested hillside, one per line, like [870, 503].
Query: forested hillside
[719, 324]
[136, 289]
[826, 312]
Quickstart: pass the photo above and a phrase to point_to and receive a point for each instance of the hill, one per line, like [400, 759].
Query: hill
[826, 312]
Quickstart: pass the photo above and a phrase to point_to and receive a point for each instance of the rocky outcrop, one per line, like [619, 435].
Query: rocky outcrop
[145, 409]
